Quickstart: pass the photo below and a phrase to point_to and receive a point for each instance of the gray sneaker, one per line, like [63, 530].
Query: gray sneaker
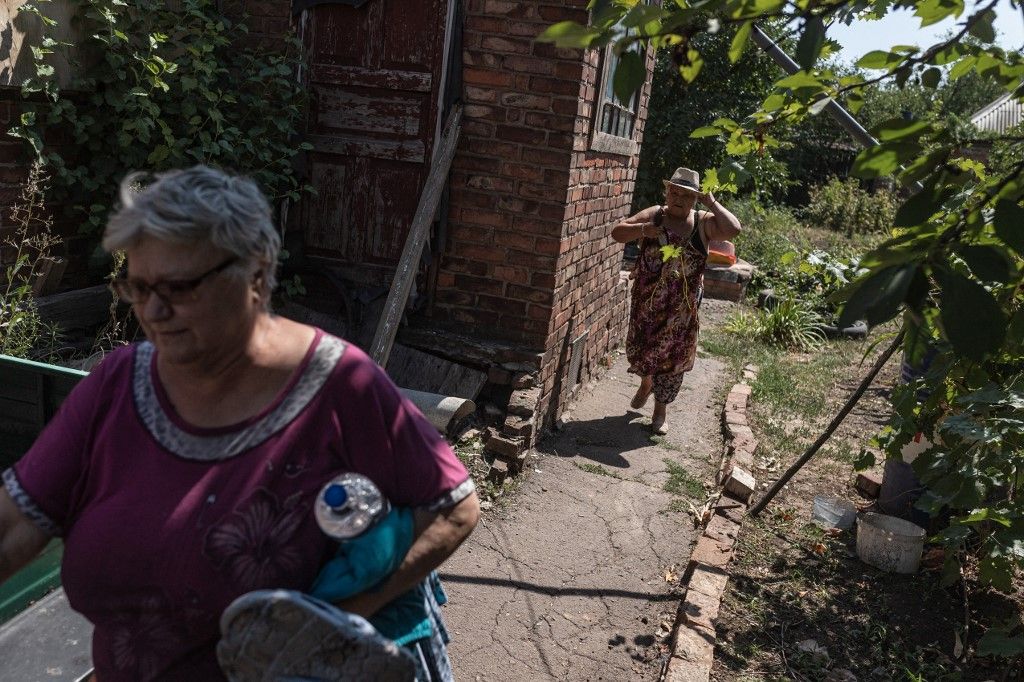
[287, 636]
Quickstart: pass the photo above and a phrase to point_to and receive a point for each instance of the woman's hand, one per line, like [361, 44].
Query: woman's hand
[706, 198]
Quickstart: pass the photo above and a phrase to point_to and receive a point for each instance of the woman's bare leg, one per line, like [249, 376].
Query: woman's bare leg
[643, 392]
[658, 424]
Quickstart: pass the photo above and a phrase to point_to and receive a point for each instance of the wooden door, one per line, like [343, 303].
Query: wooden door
[375, 75]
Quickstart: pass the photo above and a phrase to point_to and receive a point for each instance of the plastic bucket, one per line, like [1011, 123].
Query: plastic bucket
[889, 543]
[833, 512]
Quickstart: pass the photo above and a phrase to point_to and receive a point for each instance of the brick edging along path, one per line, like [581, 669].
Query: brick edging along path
[706, 576]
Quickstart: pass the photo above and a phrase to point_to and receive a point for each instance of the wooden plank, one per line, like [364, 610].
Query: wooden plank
[407, 265]
[388, 79]
[419, 371]
[78, 309]
[371, 114]
[349, 145]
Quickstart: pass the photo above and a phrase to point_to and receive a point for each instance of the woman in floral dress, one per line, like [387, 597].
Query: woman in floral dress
[668, 285]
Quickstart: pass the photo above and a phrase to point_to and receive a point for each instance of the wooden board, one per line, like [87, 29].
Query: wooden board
[410, 368]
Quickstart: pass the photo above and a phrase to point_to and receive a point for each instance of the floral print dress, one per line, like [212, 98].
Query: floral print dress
[667, 290]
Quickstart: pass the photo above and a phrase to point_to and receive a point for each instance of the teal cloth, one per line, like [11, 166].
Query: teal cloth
[362, 563]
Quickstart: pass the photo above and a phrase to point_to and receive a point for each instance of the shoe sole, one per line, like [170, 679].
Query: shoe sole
[286, 636]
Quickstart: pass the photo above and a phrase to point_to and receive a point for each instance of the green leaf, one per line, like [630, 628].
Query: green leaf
[706, 131]
[692, 66]
[811, 40]
[739, 41]
[799, 81]
[884, 159]
[931, 77]
[899, 128]
[1009, 224]
[971, 318]
[630, 74]
[934, 11]
[999, 643]
[983, 29]
[922, 206]
[996, 571]
[877, 297]
[878, 59]
[986, 514]
[988, 263]
[569, 34]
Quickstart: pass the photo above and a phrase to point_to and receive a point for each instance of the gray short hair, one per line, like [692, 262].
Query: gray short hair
[196, 205]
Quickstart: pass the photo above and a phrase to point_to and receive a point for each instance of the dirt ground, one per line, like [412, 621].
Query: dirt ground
[793, 584]
[576, 577]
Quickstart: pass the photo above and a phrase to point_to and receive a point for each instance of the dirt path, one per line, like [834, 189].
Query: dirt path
[569, 582]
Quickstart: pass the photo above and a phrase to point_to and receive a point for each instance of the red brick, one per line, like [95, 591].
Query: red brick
[486, 77]
[520, 134]
[480, 285]
[515, 10]
[483, 95]
[549, 51]
[512, 275]
[485, 182]
[545, 280]
[464, 198]
[555, 14]
[451, 297]
[523, 171]
[510, 45]
[476, 163]
[542, 192]
[526, 101]
[488, 218]
[544, 157]
[486, 254]
[531, 260]
[551, 247]
[484, 112]
[545, 296]
[554, 85]
[485, 24]
[501, 304]
[549, 121]
[523, 64]
[487, 60]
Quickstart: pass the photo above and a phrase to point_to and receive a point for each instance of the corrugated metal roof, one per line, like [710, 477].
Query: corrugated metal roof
[999, 116]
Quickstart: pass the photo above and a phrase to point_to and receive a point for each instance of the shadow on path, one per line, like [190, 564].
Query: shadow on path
[603, 440]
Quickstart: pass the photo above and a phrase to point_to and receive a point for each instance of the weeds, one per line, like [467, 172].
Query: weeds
[681, 482]
[597, 469]
[23, 332]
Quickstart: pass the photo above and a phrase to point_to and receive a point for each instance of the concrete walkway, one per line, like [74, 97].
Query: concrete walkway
[576, 577]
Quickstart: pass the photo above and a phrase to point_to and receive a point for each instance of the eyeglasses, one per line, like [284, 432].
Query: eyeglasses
[169, 291]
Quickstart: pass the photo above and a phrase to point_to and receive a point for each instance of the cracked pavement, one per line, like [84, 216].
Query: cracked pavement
[567, 581]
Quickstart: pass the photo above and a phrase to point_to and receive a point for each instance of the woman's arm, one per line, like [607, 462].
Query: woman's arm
[438, 535]
[20, 539]
[719, 222]
[636, 226]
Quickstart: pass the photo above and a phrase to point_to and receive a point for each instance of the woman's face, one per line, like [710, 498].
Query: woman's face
[204, 322]
[679, 199]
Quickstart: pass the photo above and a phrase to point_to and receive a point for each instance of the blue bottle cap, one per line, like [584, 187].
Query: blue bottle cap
[335, 496]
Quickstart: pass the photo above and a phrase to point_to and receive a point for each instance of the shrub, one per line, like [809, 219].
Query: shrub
[22, 332]
[844, 207]
[791, 324]
[175, 86]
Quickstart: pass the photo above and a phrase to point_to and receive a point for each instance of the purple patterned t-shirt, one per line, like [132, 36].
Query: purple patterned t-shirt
[164, 523]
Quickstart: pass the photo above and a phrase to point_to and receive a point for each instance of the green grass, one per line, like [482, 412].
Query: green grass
[682, 482]
[663, 442]
[591, 468]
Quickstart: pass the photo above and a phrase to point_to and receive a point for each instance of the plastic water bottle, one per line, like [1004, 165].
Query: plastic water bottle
[349, 505]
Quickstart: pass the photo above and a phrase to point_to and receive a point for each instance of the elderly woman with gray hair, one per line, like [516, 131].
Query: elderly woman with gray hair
[183, 471]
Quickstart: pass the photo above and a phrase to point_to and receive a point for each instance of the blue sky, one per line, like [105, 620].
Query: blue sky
[901, 27]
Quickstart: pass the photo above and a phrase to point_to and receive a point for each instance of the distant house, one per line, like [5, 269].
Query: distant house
[999, 116]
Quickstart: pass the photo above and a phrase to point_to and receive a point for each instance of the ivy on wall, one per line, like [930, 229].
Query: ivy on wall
[159, 87]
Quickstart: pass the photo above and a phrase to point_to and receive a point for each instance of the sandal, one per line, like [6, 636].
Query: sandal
[640, 400]
[659, 425]
[274, 635]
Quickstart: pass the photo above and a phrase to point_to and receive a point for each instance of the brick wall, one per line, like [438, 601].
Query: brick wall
[529, 257]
